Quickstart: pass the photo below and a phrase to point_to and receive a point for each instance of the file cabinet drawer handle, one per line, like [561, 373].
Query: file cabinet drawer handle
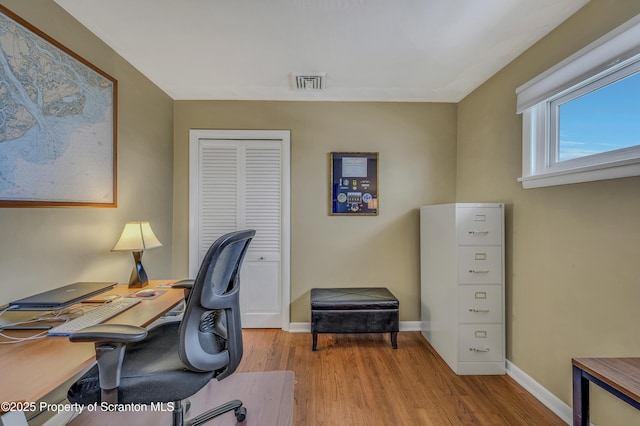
[478, 271]
[479, 349]
[480, 256]
[473, 232]
[481, 311]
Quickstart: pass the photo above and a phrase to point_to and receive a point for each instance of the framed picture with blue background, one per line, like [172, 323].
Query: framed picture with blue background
[354, 184]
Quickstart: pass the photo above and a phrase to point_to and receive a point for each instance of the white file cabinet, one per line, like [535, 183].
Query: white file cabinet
[462, 285]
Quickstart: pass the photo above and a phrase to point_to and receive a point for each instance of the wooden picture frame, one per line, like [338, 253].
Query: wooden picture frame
[58, 130]
[353, 185]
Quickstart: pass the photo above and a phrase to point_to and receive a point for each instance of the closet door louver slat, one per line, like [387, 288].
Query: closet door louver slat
[262, 197]
[218, 193]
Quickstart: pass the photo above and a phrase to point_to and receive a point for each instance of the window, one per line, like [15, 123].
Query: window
[581, 119]
[603, 120]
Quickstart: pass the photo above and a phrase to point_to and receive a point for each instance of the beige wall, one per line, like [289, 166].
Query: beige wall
[573, 285]
[416, 142]
[48, 247]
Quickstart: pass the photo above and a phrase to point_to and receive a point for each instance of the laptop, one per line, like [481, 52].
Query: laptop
[61, 297]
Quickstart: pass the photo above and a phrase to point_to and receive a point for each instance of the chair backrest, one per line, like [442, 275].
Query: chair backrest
[210, 332]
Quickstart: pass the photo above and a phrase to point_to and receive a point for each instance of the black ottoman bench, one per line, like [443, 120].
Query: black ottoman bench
[354, 310]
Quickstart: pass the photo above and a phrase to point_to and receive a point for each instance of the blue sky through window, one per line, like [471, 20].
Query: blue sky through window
[601, 121]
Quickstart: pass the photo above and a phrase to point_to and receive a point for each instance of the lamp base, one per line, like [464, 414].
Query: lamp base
[138, 277]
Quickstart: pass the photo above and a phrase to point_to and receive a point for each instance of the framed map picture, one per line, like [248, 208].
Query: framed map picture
[354, 184]
[57, 123]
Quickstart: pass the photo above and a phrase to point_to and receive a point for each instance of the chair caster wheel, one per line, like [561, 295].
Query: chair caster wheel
[241, 414]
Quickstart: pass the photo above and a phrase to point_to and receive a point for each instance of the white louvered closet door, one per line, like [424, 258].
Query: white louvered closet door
[240, 186]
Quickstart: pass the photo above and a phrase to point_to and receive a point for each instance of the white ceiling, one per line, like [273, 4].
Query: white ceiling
[371, 50]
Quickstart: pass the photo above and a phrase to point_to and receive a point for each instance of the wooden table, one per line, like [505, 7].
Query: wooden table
[30, 370]
[619, 376]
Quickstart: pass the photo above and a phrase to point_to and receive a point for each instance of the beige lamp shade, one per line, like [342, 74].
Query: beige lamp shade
[137, 236]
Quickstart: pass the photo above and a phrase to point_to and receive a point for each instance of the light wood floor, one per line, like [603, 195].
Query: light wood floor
[360, 380]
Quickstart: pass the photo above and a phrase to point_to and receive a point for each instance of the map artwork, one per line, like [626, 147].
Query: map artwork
[57, 141]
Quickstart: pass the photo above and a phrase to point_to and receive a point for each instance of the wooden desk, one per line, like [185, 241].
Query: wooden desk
[30, 370]
[619, 376]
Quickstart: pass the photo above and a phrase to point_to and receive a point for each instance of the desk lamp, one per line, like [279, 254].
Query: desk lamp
[137, 237]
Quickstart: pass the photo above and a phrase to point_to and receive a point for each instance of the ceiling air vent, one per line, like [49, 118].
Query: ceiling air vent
[309, 81]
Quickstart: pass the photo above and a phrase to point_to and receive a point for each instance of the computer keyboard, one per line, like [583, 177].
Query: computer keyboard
[93, 317]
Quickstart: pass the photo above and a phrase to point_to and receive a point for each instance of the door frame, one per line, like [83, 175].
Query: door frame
[284, 136]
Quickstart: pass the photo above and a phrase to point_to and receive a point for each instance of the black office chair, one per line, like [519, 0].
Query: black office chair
[174, 360]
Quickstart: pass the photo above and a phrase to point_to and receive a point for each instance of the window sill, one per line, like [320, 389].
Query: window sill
[613, 170]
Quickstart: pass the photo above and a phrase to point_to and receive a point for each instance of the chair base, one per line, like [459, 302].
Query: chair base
[236, 406]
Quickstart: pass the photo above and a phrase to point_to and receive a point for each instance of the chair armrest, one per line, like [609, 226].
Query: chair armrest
[109, 333]
[188, 284]
[110, 341]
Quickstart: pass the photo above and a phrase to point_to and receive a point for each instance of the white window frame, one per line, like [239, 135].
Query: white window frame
[610, 58]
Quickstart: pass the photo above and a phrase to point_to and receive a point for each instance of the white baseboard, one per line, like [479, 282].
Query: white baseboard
[551, 401]
[410, 326]
[300, 327]
[305, 327]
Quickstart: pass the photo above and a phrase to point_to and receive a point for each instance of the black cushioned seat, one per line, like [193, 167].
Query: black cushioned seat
[353, 298]
[149, 367]
[354, 310]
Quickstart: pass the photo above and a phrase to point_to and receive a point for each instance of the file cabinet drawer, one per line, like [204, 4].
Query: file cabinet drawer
[480, 304]
[480, 265]
[479, 226]
[480, 342]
